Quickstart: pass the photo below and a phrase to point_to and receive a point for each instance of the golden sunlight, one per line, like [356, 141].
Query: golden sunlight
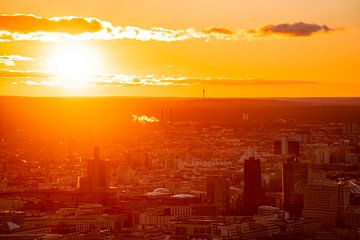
[75, 64]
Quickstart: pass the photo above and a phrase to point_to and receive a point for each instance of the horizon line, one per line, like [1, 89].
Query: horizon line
[184, 97]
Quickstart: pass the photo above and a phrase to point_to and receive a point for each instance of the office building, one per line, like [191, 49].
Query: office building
[253, 195]
[295, 176]
[97, 178]
[218, 192]
[326, 201]
[286, 146]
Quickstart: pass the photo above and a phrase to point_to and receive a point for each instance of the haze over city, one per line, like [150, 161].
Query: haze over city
[176, 120]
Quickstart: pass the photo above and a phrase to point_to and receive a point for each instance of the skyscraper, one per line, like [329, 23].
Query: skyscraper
[295, 176]
[253, 195]
[326, 201]
[97, 173]
[286, 146]
[218, 192]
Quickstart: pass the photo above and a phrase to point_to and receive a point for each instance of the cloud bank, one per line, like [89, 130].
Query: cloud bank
[123, 80]
[151, 80]
[26, 27]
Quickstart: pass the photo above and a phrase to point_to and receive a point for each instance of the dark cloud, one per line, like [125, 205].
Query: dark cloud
[294, 30]
[21, 23]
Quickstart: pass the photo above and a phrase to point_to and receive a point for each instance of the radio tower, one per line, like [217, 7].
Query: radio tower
[203, 92]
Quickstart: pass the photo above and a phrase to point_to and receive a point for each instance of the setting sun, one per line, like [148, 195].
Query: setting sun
[147, 48]
[75, 64]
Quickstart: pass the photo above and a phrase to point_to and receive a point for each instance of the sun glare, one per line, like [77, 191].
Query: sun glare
[75, 64]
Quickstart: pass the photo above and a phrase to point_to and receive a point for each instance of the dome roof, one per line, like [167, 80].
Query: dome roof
[161, 190]
[51, 236]
[183, 195]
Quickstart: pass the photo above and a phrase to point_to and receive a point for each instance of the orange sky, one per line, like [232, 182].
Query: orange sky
[233, 48]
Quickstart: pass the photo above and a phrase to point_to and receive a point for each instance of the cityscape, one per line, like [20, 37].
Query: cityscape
[180, 120]
[187, 169]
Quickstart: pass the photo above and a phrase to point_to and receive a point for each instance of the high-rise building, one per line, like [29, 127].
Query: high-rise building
[351, 128]
[293, 147]
[218, 192]
[295, 176]
[253, 195]
[97, 174]
[321, 156]
[286, 146]
[326, 201]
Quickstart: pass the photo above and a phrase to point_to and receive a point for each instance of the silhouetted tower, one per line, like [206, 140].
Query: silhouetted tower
[285, 146]
[218, 192]
[93, 173]
[203, 92]
[295, 177]
[253, 195]
[97, 173]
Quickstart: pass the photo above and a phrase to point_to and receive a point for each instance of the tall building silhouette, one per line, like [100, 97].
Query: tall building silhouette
[218, 192]
[97, 177]
[253, 195]
[295, 176]
[286, 146]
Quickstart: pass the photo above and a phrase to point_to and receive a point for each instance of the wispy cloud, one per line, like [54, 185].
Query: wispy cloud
[10, 60]
[24, 27]
[151, 80]
[18, 74]
[218, 30]
[124, 80]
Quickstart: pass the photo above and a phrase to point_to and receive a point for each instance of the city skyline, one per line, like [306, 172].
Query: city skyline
[159, 168]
